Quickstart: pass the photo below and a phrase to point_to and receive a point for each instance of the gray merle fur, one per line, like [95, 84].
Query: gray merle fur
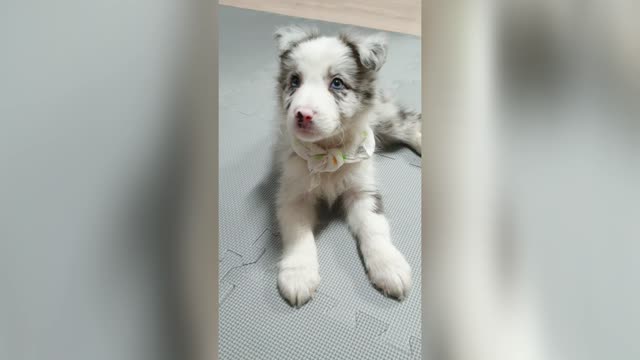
[390, 128]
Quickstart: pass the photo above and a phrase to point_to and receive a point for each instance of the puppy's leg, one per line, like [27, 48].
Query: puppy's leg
[298, 275]
[387, 268]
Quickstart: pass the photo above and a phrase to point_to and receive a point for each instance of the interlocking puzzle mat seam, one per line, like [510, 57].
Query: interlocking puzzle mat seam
[365, 325]
[240, 258]
[367, 329]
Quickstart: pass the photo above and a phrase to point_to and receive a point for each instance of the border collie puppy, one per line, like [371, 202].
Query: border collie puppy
[331, 119]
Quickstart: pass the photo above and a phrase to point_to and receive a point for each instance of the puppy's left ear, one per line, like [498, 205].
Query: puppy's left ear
[287, 36]
[373, 50]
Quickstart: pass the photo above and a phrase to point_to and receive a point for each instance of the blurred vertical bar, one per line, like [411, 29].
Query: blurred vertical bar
[201, 225]
[107, 141]
[570, 142]
[532, 136]
[469, 313]
[200, 238]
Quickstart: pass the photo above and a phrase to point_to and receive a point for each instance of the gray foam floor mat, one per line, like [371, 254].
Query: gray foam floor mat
[348, 318]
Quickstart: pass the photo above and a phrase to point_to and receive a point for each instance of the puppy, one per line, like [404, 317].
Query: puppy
[331, 117]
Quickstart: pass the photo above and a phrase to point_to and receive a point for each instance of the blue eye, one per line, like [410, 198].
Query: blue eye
[337, 84]
[295, 81]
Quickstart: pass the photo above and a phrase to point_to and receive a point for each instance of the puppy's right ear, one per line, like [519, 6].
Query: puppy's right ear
[287, 36]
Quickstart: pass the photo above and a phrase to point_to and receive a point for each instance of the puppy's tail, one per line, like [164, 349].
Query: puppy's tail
[395, 124]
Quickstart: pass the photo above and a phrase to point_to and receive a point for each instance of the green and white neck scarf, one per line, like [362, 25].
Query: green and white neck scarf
[321, 160]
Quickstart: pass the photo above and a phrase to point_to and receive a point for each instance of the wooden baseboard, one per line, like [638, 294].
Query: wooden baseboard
[401, 16]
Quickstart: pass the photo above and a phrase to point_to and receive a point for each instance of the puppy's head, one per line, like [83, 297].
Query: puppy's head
[325, 82]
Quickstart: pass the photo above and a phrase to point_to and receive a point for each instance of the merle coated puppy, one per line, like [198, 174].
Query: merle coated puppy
[331, 118]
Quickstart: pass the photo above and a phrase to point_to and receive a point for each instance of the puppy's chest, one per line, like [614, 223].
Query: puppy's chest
[297, 179]
[349, 176]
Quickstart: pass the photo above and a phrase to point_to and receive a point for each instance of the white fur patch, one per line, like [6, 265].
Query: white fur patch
[289, 35]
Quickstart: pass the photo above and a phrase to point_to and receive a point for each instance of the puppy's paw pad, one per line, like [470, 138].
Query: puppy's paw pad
[391, 274]
[297, 285]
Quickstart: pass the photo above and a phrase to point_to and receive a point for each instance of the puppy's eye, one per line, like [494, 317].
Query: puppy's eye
[295, 81]
[337, 84]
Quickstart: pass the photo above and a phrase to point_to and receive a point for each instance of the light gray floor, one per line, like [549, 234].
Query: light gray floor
[348, 319]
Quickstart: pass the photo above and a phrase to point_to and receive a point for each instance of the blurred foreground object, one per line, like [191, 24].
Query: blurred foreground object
[505, 82]
[95, 130]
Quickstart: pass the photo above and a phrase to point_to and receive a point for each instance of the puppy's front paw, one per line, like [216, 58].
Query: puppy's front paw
[298, 284]
[389, 272]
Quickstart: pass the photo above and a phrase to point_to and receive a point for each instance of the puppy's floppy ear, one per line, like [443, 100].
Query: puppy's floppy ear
[287, 36]
[372, 49]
